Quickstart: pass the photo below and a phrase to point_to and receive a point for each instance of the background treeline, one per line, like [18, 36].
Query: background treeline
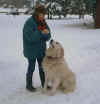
[57, 7]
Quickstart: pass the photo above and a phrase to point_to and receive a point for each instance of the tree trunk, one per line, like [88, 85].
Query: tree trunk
[97, 21]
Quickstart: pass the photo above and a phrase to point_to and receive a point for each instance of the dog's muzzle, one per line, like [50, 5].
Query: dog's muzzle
[51, 41]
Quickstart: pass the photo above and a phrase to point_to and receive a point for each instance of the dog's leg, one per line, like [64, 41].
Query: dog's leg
[69, 87]
[45, 84]
[55, 85]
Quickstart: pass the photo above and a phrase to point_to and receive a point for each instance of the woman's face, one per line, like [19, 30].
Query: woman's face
[41, 16]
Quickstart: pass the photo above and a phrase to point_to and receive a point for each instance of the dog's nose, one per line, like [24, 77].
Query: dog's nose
[51, 41]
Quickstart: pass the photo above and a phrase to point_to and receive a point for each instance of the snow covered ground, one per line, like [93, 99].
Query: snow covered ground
[82, 52]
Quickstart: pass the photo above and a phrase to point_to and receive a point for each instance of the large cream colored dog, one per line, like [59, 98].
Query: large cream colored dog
[57, 72]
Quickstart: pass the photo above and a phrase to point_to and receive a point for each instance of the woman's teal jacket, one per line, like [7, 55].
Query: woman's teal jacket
[34, 41]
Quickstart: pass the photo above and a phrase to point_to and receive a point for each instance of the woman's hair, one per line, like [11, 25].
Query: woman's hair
[39, 9]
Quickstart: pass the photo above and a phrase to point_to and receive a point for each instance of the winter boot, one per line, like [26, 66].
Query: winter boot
[29, 86]
[42, 78]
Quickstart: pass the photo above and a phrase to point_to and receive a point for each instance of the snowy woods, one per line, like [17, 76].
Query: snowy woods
[57, 7]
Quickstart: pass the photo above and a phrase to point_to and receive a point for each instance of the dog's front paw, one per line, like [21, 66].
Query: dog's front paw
[49, 88]
[51, 93]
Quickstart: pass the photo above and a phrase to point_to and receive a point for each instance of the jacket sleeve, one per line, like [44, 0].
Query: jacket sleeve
[46, 37]
[30, 33]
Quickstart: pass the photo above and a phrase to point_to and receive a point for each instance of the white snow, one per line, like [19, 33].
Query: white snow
[82, 52]
[4, 10]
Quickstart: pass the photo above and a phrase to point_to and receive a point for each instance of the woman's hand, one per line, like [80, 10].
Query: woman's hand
[45, 31]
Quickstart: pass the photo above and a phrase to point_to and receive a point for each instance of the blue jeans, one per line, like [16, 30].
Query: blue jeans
[31, 68]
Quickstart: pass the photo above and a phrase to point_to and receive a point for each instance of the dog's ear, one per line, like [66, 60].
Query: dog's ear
[60, 52]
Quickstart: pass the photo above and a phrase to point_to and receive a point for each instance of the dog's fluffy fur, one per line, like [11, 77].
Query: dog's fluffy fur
[57, 72]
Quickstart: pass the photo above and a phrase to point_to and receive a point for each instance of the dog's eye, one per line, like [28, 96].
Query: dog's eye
[57, 43]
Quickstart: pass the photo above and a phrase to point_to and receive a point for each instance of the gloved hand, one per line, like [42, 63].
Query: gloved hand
[45, 31]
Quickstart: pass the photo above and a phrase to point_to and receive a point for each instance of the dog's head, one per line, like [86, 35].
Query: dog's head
[55, 50]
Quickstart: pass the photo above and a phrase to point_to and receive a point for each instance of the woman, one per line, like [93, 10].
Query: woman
[35, 34]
